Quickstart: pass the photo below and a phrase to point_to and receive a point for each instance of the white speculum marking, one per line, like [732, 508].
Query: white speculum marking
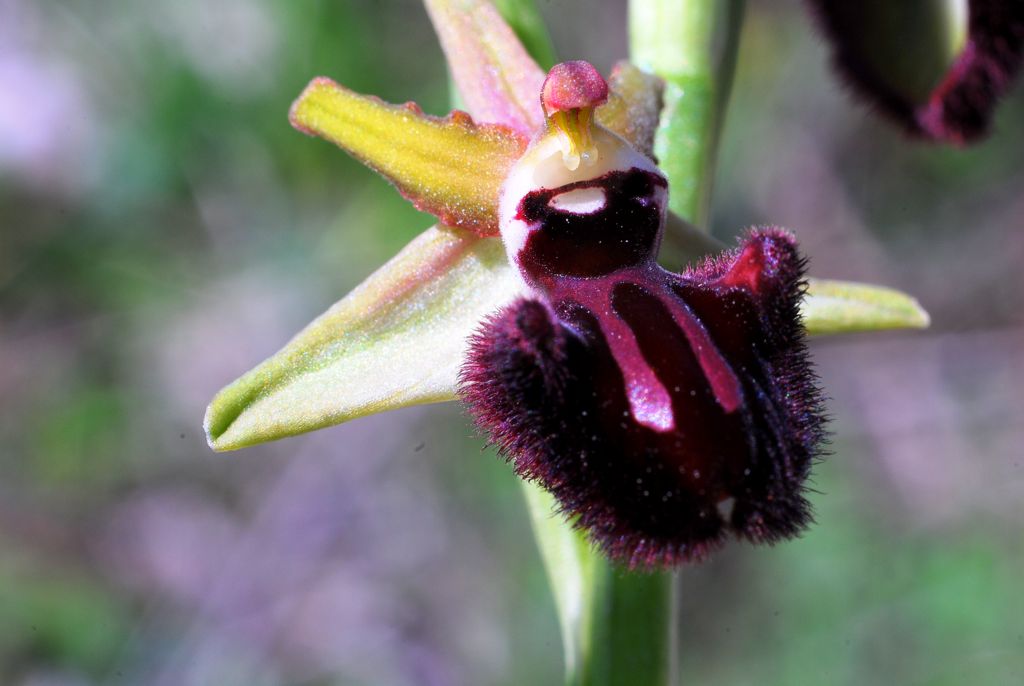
[580, 201]
[543, 166]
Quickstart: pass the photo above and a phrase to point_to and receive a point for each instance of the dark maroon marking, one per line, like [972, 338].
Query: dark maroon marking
[960, 108]
[625, 232]
[550, 387]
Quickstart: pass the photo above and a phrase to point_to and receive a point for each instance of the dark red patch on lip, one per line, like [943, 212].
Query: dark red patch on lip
[959, 109]
[624, 232]
[549, 381]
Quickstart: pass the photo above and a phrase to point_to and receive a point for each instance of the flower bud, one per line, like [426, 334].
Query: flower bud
[937, 67]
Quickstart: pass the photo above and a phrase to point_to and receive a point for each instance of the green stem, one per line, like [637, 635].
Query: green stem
[631, 629]
[692, 45]
[617, 626]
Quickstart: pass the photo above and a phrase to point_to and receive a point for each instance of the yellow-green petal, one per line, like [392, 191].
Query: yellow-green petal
[396, 340]
[834, 307]
[450, 167]
[634, 106]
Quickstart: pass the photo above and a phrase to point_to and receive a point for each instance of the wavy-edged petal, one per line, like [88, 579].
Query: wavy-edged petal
[634, 106]
[835, 307]
[450, 167]
[396, 340]
[497, 78]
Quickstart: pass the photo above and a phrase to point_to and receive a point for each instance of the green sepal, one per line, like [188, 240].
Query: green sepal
[396, 340]
[835, 307]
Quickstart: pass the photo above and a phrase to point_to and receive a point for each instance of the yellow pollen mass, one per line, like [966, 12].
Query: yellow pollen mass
[574, 127]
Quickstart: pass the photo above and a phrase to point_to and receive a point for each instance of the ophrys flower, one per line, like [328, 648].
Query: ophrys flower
[713, 355]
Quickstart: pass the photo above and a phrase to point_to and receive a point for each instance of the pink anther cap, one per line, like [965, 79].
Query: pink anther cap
[573, 85]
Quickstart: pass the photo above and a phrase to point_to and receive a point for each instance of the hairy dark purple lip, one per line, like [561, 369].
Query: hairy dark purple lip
[644, 399]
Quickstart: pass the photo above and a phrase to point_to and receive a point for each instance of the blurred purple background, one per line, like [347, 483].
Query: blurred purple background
[162, 230]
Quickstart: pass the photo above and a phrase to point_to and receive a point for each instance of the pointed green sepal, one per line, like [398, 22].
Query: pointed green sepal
[834, 307]
[396, 340]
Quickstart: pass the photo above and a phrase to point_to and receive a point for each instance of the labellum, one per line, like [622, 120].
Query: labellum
[663, 410]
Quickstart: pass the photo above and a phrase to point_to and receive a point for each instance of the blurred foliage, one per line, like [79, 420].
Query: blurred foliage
[166, 230]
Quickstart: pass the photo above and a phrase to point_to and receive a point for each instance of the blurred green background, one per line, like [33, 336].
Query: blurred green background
[162, 230]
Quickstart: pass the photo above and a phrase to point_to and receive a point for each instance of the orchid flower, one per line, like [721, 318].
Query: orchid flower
[662, 409]
[651, 385]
